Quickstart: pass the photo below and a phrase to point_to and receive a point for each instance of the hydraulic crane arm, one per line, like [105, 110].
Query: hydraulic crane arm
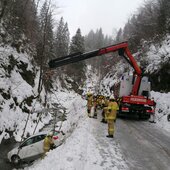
[123, 51]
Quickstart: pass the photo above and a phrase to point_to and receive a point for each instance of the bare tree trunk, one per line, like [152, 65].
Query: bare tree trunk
[43, 50]
[4, 5]
[37, 4]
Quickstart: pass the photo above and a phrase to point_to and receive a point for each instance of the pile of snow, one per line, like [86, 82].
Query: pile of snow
[74, 105]
[162, 109]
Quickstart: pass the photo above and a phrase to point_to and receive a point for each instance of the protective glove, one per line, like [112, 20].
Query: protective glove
[53, 146]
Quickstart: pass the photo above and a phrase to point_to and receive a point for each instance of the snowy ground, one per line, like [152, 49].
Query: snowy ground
[86, 146]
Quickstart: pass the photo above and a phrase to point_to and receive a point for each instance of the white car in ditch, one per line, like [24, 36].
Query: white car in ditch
[32, 148]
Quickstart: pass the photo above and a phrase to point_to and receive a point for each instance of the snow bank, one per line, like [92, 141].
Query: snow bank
[162, 109]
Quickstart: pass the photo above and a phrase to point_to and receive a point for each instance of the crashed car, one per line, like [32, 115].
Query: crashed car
[32, 148]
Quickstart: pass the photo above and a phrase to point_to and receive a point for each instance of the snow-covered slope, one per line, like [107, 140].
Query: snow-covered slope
[92, 79]
[157, 55]
[162, 109]
[18, 87]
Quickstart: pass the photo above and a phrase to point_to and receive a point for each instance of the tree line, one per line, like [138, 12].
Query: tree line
[150, 23]
[28, 22]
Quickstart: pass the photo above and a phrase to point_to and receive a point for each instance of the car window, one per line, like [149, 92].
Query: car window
[27, 142]
[39, 138]
[33, 140]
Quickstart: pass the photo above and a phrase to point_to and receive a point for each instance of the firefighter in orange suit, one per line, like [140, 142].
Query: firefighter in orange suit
[89, 103]
[48, 143]
[95, 106]
[105, 109]
[111, 116]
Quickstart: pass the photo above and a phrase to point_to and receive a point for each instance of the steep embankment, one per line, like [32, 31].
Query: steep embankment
[18, 90]
[157, 63]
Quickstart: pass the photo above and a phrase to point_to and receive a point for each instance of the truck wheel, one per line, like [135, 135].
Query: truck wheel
[168, 118]
[15, 159]
[139, 116]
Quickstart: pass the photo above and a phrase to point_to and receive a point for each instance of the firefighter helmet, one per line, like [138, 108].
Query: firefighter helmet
[111, 97]
[50, 134]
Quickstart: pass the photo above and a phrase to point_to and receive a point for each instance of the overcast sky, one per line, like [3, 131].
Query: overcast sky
[93, 14]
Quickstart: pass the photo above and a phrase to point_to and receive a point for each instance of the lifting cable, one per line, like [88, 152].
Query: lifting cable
[28, 116]
[47, 75]
[37, 122]
[22, 136]
[56, 115]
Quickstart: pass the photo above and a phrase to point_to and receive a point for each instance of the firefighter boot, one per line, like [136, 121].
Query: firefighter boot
[109, 136]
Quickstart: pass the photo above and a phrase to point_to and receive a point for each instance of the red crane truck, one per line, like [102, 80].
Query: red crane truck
[133, 100]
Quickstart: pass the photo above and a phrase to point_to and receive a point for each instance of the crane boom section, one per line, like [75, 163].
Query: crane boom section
[121, 48]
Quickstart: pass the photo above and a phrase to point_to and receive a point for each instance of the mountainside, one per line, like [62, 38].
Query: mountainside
[158, 64]
[18, 97]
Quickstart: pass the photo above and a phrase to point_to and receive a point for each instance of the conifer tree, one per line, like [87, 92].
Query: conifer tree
[45, 45]
[19, 19]
[93, 41]
[99, 38]
[77, 45]
[61, 41]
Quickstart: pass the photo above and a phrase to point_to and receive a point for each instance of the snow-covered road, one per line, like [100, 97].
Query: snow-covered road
[144, 145]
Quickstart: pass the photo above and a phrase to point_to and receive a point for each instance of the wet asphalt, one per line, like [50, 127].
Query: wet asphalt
[5, 147]
[143, 144]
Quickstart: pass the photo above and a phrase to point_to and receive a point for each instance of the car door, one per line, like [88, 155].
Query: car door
[37, 149]
[32, 147]
[25, 149]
